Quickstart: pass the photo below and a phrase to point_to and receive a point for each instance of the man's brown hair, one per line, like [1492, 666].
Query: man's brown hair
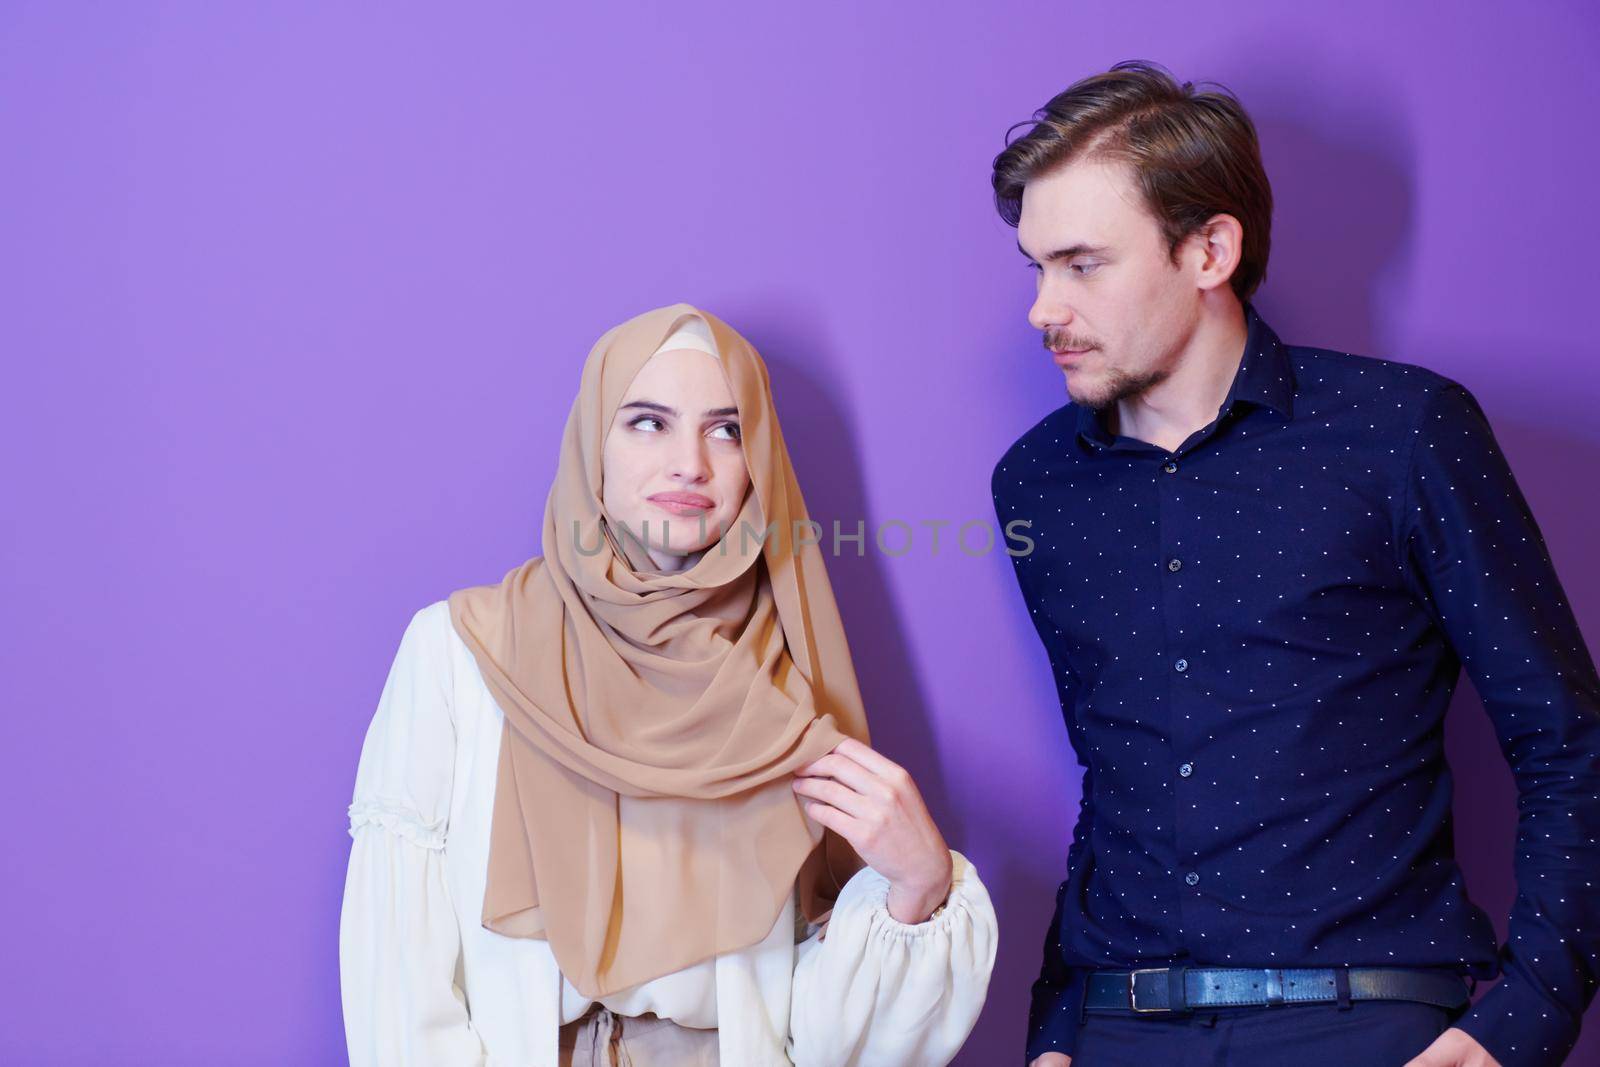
[1193, 154]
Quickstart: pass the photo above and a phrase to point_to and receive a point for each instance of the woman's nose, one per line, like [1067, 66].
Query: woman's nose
[690, 463]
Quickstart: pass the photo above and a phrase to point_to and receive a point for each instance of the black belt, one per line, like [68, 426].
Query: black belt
[1174, 990]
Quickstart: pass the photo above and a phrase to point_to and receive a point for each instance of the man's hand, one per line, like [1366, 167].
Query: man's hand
[1454, 1048]
[871, 802]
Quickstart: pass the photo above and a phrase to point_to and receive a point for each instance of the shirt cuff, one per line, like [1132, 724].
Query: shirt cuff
[1519, 1026]
[1053, 1018]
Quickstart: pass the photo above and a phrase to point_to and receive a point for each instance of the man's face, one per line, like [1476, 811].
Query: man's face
[1114, 309]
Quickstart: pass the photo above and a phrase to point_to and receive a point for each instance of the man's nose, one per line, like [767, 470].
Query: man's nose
[1049, 309]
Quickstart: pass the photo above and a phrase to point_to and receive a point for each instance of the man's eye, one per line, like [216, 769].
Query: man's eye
[1085, 268]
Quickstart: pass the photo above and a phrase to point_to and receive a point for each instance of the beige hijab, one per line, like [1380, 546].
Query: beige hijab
[643, 816]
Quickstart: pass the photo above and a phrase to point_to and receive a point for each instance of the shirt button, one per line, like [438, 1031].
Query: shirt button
[1174, 564]
[1182, 665]
[1186, 769]
[1170, 467]
[1191, 878]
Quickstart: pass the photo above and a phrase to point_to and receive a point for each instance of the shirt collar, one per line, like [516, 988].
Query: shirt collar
[1264, 378]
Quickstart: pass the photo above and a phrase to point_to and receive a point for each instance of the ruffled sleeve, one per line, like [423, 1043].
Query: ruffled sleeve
[877, 991]
[399, 942]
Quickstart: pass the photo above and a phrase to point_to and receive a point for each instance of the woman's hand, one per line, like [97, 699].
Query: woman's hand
[1052, 1059]
[871, 802]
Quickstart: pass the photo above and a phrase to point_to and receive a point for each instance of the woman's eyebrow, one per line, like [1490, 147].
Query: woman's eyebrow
[651, 405]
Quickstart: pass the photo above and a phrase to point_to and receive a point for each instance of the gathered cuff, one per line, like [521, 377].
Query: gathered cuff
[869, 890]
[398, 819]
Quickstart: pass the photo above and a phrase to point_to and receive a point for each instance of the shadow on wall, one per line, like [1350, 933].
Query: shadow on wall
[1340, 271]
[822, 444]
[823, 447]
[1340, 232]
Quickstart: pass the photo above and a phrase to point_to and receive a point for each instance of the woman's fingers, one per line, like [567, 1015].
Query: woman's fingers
[832, 818]
[896, 779]
[870, 758]
[833, 793]
[848, 771]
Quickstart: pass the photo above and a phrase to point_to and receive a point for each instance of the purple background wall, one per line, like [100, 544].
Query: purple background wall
[294, 302]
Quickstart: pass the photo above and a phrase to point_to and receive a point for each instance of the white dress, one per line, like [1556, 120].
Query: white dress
[423, 983]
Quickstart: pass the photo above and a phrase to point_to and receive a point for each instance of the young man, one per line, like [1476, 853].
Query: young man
[1258, 571]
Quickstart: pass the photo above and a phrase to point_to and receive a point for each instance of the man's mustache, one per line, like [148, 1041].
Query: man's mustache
[1057, 341]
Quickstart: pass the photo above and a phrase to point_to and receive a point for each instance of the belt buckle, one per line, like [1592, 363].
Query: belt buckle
[1133, 986]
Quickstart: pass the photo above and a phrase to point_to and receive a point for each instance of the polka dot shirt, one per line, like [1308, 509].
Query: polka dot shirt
[1254, 638]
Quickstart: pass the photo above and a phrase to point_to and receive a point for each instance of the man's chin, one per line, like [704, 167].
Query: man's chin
[1085, 395]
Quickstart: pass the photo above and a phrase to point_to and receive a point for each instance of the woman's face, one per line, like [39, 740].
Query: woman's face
[673, 458]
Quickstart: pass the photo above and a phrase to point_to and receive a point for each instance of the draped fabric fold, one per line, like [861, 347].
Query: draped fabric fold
[643, 816]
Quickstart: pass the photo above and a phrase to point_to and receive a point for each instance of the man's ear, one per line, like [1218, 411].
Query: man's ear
[1216, 248]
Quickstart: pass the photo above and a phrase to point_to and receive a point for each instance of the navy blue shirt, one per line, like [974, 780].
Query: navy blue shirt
[1254, 638]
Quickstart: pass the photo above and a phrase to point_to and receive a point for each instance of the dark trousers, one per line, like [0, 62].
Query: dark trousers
[1370, 1033]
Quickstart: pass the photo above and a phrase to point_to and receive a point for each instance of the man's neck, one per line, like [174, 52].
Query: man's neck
[1189, 398]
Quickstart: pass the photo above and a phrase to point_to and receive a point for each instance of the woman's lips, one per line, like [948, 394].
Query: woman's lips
[682, 503]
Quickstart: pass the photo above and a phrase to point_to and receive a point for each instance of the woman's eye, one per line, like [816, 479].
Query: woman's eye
[647, 423]
[728, 431]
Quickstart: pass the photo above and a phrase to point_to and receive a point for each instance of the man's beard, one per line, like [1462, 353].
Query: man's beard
[1119, 385]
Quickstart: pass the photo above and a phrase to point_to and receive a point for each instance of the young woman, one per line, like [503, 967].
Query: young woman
[620, 807]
